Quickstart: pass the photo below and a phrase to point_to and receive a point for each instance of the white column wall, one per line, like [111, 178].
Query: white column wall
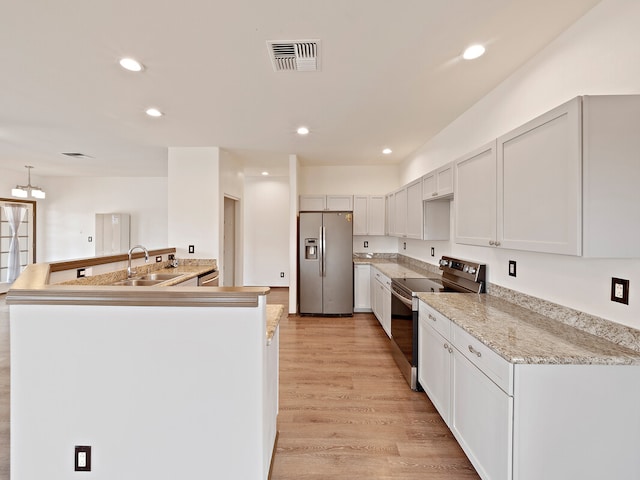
[194, 211]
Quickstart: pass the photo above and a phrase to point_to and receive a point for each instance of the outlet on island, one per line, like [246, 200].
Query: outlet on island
[192, 249]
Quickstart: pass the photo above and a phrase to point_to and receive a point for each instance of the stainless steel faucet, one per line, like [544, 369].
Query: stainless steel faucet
[146, 259]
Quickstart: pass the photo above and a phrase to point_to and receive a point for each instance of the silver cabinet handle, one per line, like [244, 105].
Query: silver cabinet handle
[446, 346]
[431, 317]
[491, 242]
[434, 194]
[497, 244]
[474, 351]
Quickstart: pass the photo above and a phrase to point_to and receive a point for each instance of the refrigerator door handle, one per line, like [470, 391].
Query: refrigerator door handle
[320, 251]
[324, 252]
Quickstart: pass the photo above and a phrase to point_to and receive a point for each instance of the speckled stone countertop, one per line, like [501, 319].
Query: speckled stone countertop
[522, 336]
[393, 268]
[186, 269]
[274, 314]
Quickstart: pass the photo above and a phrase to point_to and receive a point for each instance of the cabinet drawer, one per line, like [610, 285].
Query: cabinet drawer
[439, 322]
[490, 363]
[382, 278]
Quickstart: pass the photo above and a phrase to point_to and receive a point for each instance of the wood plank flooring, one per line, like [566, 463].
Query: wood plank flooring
[346, 412]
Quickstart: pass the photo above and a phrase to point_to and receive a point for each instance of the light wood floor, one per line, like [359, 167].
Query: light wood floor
[345, 410]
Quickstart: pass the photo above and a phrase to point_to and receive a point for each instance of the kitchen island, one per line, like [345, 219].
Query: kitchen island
[161, 382]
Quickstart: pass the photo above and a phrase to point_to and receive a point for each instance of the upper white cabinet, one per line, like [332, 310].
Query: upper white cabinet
[475, 203]
[405, 211]
[310, 203]
[439, 183]
[369, 215]
[565, 182]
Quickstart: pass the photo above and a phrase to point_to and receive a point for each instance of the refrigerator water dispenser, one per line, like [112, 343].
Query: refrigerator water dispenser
[311, 248]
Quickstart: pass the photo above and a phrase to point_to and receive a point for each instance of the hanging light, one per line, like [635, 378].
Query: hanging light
[23, 191]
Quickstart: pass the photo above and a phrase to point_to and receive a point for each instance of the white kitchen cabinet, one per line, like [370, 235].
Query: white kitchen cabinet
[562, 183]
[313, 203]
[368, 215]
[438, 183]
[381, 299]
[391, 214]
[475, 203]
[362, 288]
[406, 206]
[437, 219]
[434, 361]
[529, 421]
[414, 210]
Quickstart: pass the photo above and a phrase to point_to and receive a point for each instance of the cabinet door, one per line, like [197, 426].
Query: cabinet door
[434, 367]
[475, 203]
[429, 186]
[414, 210]
[360, 215]
[400, 220]
[391, 214]
[312, 203]
[540, 183]
[376, 297]
[338, 203]
[376, 215]
[362, 288]
[481, 419]
[444, 176]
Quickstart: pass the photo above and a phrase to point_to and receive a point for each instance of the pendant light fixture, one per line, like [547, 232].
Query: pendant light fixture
[23, 191]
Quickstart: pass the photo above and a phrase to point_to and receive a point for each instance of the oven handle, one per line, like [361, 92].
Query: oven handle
[407, 302]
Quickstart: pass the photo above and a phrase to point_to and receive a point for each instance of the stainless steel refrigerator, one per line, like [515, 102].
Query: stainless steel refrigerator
[326, 263]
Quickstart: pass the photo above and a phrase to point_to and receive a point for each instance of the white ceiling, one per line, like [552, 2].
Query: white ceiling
[391, 76]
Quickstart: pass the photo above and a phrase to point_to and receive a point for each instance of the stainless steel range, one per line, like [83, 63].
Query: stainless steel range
[460, 276]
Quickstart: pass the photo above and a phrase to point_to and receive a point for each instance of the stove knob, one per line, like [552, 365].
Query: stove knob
[466, 268]
[444, 263]
[472, 270]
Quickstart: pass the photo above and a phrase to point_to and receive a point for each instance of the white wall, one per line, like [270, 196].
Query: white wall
[266, 231]
[597, 55]
[376, 244]
[67, 215]
[353, 180]
[194, 210]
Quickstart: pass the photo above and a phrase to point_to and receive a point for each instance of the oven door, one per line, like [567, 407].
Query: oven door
[404, 337]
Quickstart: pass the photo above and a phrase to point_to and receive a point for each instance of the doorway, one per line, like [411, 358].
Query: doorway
[17, 239]
[229, 253]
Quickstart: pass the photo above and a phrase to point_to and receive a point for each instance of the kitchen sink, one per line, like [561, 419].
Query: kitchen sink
[163, 277]
[137, 282]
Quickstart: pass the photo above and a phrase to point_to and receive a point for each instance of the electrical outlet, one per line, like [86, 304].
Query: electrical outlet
[82, 458]
[620, 290]
[512, 268]
[80, 273]
[192, 249]
[90, 239]
[433, 252]
[281, 274]
[404, 245]
[158, 258]
[172, 256]
[366, 244]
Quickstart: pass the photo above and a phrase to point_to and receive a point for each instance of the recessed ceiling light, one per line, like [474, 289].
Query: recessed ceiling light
[265, 173]
[154, 112]
[474, 51]
[303, 130]
[131, 64]
[387, 151]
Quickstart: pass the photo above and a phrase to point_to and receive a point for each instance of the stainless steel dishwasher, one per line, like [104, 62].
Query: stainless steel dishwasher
[209, 279]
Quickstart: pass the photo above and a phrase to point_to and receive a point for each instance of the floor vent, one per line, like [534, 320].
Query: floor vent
[295, 56]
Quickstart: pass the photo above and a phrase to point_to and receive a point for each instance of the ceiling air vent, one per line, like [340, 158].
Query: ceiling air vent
[76, 155]
[295, 56]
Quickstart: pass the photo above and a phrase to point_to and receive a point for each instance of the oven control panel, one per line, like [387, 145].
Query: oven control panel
[463, 269]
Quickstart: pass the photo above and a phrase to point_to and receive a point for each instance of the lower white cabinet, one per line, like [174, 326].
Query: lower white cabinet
[381, 299]
[530, 421]
[362, 288]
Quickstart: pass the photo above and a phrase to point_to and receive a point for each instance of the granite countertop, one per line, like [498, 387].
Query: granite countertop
[394, 269]
[274, 314]
[522, 336]
[187, 269]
